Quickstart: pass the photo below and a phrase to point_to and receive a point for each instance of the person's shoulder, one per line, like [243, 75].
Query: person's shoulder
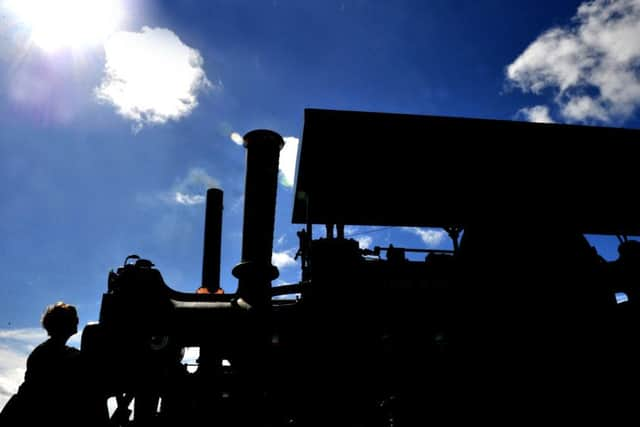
[42, 348]
[50, 350]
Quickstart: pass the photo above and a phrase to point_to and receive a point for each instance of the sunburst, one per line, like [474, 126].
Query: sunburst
[58, 24]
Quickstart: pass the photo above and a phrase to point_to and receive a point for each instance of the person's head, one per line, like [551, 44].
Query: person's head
[60, 320]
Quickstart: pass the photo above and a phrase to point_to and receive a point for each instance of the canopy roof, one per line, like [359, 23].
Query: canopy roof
[365, 168]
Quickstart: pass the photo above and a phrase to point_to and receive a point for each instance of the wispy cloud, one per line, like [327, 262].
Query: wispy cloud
[151, 76]
[592, 66]
[537, 114]
[191, 189]
[28, 335]
[429, 236]
[280, 240]
[189, 199]
[284, 259]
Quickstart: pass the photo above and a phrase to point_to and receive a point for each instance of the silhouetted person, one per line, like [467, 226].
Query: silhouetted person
[55, 391]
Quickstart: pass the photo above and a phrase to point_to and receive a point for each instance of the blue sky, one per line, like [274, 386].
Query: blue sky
[115, 118]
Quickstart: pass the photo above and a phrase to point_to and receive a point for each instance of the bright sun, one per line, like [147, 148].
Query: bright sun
[56, 24]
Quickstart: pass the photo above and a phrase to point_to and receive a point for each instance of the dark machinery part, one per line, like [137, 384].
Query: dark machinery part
[520, 315]
[255, 271]
[212, 241]
[144, 324]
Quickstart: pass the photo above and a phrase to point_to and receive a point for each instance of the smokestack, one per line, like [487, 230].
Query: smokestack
[212, 240]
[255, 271]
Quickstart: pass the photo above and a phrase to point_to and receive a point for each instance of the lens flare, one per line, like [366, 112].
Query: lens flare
[68, 23]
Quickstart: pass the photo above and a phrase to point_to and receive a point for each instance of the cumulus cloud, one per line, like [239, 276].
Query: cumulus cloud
[283, 259]
[151, 76]
[429, 236]
[592, 66]
[12, 368]
[15, 346]
[537, 114]
[583, 108]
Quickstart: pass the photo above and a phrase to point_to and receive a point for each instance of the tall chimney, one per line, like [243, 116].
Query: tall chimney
[255, 271]
[212, 241]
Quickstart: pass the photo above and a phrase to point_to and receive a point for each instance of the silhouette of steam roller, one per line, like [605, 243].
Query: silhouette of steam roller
[519, 315]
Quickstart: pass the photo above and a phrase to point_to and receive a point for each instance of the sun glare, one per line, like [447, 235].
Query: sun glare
[68, 23]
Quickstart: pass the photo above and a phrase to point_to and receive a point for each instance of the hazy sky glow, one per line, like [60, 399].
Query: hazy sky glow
[60, 24]
[116, 116]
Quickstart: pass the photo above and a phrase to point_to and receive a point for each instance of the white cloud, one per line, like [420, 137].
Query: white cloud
[15, 346]
[29, 335]
[554, 59]
[192, 189]
[353, 232]
[189, 199]
[583, 108]
[12, 368]
[288, 160]
[593, 65]
[283, 259]
[151, 76]
[237, 138]
[429, 236]
[288, 155]
[537, 114]
[364, 241]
